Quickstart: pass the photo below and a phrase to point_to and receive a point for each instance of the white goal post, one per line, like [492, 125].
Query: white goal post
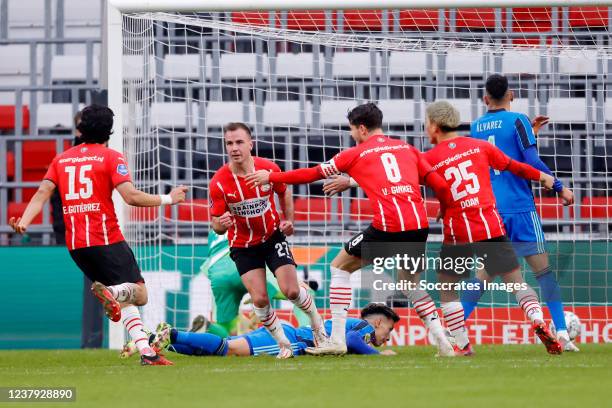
[143, 16]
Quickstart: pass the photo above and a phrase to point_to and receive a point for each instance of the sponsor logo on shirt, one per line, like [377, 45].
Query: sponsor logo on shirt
[122, 169]
[81, 159]
[384, 149]
[254, 207]
[456, 157]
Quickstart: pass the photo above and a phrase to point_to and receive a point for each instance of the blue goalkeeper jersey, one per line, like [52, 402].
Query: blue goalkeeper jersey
[512, 133]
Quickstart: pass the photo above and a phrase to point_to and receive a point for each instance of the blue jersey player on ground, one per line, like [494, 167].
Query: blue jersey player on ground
[372, 329]
[512, 132]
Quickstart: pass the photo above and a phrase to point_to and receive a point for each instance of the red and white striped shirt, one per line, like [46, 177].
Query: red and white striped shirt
[388, 171]
[86, 176]
[464, 162]
[254, 210]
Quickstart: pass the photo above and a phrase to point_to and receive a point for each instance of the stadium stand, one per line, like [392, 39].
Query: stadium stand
[50, 69]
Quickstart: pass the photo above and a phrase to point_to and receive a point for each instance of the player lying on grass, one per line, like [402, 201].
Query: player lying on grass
[390, 172]
[372, 329]
[86, 176]
[514, 135]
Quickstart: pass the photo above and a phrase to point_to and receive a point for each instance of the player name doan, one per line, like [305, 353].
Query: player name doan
[82, 159]
[494, 124]
[254, 207]
[81, 208]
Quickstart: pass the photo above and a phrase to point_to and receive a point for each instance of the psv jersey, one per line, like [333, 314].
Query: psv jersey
[389, 172]
[86, 176]
[464, 163]
[254, 210]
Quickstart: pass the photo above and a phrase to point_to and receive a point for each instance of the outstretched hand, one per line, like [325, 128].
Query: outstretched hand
[258, 178]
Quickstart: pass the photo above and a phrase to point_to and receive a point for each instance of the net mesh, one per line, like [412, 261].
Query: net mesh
[293, 76]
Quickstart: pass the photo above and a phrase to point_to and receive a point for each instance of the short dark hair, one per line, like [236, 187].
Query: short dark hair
[368, 115]
[497, 86]
[96, 124]
[379, 308]
[231, 126]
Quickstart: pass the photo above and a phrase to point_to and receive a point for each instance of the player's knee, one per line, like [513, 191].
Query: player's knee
[260, 299]
[292, 292]
[142, 296]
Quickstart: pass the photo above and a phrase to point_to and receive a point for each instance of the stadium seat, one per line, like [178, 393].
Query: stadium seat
[195, 210]
[464, 106]
[83, 14]
[10, 165]
[145, 214]
[363, 20]
[568, 110]
[220, 113]
[286, 113]
[361, 210]
[596, 207]
[522, 62]
[17, 209]
[16, 59]
[552, 208]
[73, 68]
[531, 20]
[431, 208]
[134, 67]
[409, 64]
[419, 20]
[314, 209]
[186, 66]
[257, 18]
[334, 112]
[36, 157]
[475, 18]
[7, 117]
[399, 111]
[578, 62]
[306, 20]
[465, 63]
[588, 16]
[242, 65]
[26, 18]
[353, 64]
[56, 115]
[172, 114]
[300, 65]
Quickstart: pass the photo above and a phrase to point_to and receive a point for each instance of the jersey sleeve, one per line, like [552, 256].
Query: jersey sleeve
[278, 187]
[51, 173]
[218, 206]
[118, 168]
[340, 163]
[499, 161]
[356, 344]
[524, 132]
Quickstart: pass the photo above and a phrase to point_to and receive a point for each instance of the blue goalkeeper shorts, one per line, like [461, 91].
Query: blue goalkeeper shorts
[525, 231]
[261, 341]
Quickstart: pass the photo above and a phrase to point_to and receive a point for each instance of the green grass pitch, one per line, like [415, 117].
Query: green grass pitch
[497, 376]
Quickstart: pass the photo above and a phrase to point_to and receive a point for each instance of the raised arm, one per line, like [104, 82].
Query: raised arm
[299, 176]
[132, 196]
[499, 161]
[429, 177]
[35, 206]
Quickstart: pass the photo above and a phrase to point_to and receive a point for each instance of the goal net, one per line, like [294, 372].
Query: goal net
[293, 76]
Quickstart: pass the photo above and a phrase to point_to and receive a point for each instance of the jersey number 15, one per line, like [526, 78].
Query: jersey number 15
[85, 184]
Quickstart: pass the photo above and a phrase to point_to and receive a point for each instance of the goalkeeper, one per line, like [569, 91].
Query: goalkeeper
[228, 289]
[372, 329]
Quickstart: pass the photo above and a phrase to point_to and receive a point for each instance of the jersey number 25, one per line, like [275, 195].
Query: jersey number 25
[459, 174]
